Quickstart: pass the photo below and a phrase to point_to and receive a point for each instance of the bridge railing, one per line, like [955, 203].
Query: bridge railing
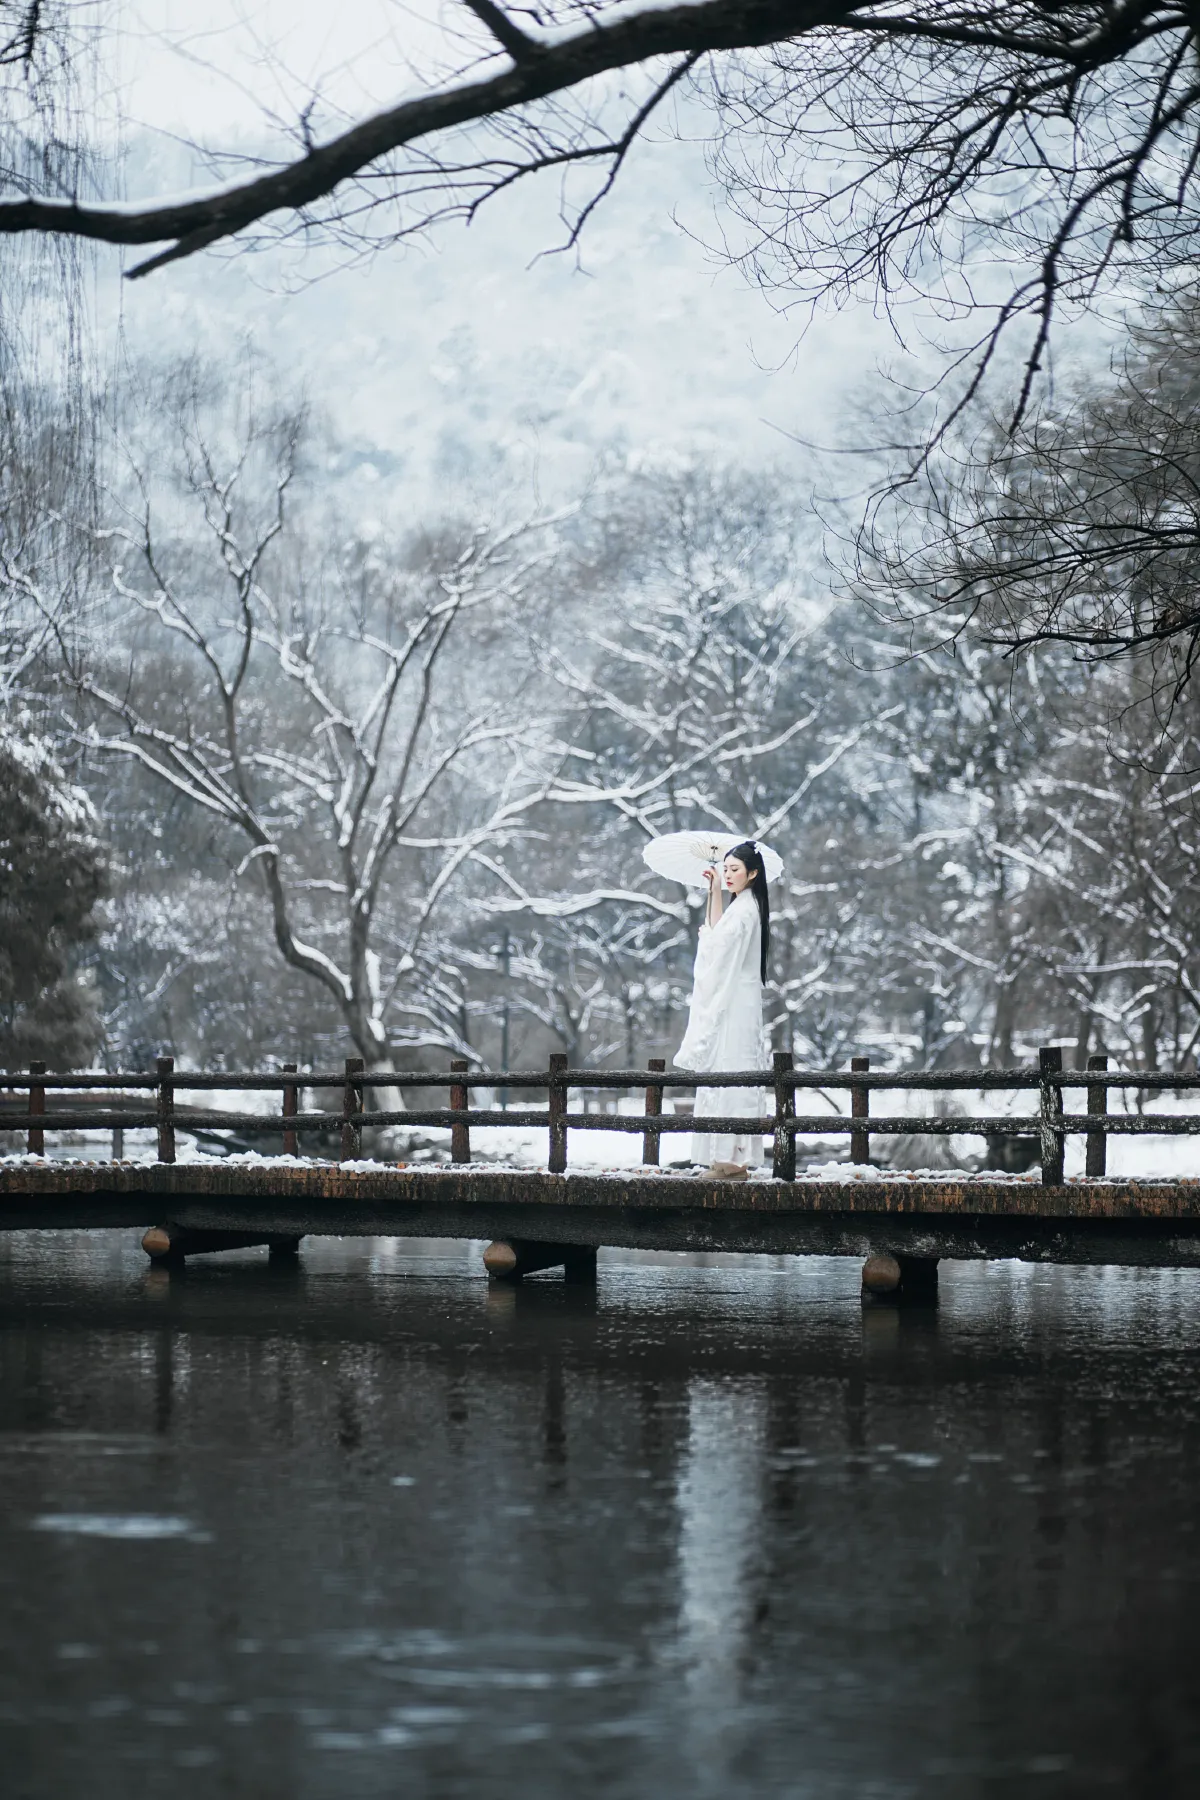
[117, 1108]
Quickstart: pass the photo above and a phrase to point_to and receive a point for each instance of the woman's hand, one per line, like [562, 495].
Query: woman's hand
[713, 905]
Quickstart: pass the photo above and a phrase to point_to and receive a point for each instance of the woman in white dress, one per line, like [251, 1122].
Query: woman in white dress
[725, 1024]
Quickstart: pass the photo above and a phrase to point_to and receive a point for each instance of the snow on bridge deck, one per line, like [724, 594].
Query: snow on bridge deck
[836, 1211]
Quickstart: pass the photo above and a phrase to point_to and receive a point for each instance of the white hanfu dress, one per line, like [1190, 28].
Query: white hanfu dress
[725, 1028]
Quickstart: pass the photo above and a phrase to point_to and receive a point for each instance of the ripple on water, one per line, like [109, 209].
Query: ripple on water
[138, 1526]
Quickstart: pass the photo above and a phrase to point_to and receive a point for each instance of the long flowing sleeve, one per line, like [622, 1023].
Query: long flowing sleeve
[722, 957]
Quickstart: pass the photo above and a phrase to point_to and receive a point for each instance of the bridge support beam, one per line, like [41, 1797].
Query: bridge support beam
[508, 1259]
[170, 1244]
[900, 1278]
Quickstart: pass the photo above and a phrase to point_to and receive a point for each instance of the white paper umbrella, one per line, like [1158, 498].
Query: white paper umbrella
[684, 855]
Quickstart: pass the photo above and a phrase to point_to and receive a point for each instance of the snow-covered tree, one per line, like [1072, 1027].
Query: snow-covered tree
[335, 704]
[700, 682]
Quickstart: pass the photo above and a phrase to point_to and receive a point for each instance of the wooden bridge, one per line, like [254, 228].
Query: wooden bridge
[556, 1216]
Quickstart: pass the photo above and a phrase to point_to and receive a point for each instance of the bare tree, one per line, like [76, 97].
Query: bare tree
[1111, 908]
[333, 710]
[51, 143]
[48, 497]
[1082, 529]
[865, 145]
[697, 685]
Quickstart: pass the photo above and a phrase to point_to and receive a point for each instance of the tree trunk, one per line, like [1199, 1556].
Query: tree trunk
[1001, 1053]
[1083, 1037]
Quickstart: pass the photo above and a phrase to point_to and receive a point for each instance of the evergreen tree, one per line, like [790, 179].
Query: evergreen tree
[52, 874]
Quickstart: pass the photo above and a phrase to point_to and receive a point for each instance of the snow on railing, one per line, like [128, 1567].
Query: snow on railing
[1050, 1124]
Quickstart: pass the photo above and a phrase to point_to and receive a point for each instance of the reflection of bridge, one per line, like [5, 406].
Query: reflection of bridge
[558, 1216]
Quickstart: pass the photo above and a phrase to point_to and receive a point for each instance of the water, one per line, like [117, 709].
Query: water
[375, 1528]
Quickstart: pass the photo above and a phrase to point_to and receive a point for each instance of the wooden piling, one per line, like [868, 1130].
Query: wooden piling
[1097, 1137]
[887, 1277]
[881, 1275]
[500, 1259]
[172, 1243]
[352, 1102]
[860, 1108]
[918, 1277]
[460, 1135]
[652, 1139]
[579, 1263]
[165, 1068]
[557, 1163]
[35, 1143]
[783, 1161]
[157, 1244]
[291, 1095]
[1050, 1113]
[508, 1259]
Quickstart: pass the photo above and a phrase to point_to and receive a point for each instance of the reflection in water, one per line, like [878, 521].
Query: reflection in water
[719, 1502]
[711, 1531]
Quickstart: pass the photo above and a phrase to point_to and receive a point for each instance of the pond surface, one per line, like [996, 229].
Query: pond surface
[374, 1528]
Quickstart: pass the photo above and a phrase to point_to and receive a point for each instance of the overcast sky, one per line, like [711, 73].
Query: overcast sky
[438, 360]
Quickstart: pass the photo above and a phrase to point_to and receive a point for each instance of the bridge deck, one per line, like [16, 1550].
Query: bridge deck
[1153, 1223]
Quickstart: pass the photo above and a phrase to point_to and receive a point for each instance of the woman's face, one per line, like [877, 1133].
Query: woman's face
[737, 876]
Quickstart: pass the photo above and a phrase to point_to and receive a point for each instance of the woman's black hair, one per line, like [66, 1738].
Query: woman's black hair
[752, 862]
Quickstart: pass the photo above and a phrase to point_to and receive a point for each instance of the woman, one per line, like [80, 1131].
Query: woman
[725, 1025]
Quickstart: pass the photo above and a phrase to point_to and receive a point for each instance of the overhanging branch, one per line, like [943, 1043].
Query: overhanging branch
[562, 62]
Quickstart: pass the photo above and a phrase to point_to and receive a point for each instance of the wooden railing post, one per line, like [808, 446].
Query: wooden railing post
[652, 1139]
[1050, 1115]
[460, 1135]
[1097, 1137]
[557, 1164]
[860, 1108]
[291, 1092]
[36, 1141]
[165, 1068]
[783, 1161]
[352, 1102]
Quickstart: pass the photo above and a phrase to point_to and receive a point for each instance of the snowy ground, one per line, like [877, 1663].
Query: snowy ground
[526, 1147]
